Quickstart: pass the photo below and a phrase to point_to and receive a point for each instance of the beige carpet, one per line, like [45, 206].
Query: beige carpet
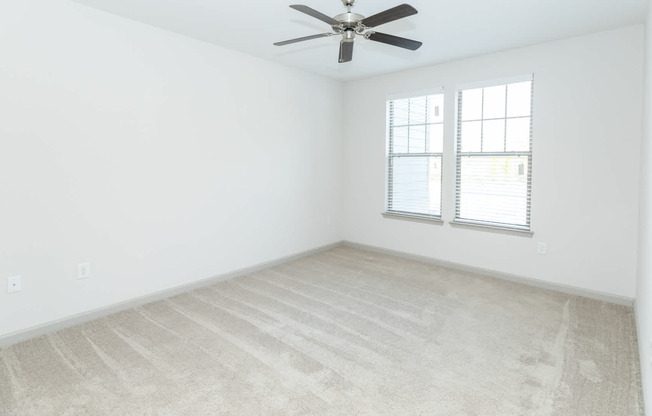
[344, 332]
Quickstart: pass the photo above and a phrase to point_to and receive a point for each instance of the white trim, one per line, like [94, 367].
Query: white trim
[415, 94]
[413, 217]
[557, 287]
[494, 228]
[102, 312]
[494, 82]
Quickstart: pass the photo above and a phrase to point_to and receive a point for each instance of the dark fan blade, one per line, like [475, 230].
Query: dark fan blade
[346, 51]
[389, 15]
[410, 44]
[287, 42]
[314, 13]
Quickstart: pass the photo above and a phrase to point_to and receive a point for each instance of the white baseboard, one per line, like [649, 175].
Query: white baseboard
[67, 322]
[567, 289]
[59, 324]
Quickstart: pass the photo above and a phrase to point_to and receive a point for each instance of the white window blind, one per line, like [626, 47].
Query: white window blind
[414, 155]
[494, 155]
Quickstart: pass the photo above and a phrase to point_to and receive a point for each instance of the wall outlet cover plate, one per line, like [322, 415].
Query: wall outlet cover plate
[14, 284]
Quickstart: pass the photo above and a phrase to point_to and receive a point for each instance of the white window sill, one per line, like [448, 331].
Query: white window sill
[413, 217]
[493, 228]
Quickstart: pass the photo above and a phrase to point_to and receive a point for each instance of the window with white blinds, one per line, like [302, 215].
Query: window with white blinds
[414, 155]
[494, 155]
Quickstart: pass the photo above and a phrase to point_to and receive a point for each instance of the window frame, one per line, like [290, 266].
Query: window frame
[389, 156]
[459, 155]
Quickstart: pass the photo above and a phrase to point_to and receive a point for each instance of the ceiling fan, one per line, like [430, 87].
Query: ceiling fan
[350, 24]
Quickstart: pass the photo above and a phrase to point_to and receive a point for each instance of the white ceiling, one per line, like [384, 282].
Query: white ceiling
[449, 29]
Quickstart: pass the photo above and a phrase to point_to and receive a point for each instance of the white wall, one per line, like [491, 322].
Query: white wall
[160, 159]
[163, 160]
[644, 288]
[587, 132]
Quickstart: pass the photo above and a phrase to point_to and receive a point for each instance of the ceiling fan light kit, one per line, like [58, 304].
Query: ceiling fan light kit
[350, 24]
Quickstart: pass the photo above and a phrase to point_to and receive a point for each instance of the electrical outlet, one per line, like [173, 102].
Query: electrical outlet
[83, 270]
[14, 284]
[542, 248]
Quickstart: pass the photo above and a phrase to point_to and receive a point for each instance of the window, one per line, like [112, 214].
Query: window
[494, 155]
[414, 155]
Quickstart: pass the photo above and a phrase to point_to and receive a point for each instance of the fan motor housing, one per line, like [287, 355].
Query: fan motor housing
[349, 20]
